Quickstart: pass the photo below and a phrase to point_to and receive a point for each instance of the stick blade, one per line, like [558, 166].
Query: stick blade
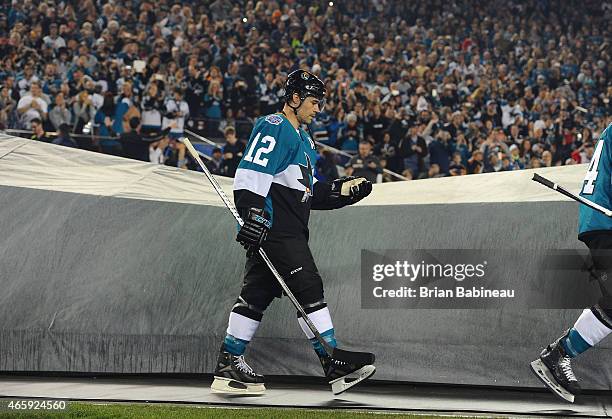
[350, 357]
[543, 181]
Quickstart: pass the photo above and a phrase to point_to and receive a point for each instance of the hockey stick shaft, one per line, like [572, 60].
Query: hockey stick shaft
[550, 184]
[328, 348]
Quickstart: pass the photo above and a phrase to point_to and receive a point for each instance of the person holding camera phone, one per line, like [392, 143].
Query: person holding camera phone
[152, 107]
[177, 112]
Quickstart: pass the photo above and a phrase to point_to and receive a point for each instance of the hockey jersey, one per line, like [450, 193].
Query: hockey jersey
[276, 173]
[597, 187]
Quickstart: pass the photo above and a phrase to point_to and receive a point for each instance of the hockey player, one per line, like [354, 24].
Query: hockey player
[274, 191]
[595, 323]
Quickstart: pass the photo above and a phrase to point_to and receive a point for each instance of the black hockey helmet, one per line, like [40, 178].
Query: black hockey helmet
[304, 84]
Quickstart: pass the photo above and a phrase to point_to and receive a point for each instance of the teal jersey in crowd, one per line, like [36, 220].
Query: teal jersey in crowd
[277, 173]
[597, 186]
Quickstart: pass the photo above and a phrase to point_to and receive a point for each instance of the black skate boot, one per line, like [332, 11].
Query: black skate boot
[234, 376]
[342, 375]
[555, 371]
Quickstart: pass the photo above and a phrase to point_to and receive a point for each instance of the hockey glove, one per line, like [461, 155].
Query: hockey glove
[254, 231]
[350, 189]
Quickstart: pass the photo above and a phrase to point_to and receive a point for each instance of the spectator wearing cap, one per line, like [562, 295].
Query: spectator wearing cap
[232, 152]
[365, 164]
[515, 157]
[350, 136]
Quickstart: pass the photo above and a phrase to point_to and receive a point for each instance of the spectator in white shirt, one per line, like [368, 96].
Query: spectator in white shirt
[54, 40]
[32, 106]
[177, 112]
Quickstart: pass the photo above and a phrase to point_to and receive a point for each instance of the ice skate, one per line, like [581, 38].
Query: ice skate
[234, 376]
[342, 376]
[554, 369]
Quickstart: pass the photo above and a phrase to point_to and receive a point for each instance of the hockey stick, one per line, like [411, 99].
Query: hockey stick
[561, 189]
[338, 354]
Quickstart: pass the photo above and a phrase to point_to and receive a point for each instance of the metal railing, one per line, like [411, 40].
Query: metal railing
[20, 132]
[345, 154]
[192, 135]
[27, 134]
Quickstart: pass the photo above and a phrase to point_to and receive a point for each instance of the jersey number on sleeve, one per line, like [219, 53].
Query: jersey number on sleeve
[260, 151]
[592, 173]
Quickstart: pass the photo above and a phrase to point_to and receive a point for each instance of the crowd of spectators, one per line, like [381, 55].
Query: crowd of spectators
[425, 89]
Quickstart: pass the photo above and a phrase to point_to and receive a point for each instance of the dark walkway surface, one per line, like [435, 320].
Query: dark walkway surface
[381, 396]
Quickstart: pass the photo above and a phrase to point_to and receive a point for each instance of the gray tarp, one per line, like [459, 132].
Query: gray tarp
[96, 283]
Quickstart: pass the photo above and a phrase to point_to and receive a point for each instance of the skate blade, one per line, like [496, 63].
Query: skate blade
[340, 385]
[543, 373]
[222, 385]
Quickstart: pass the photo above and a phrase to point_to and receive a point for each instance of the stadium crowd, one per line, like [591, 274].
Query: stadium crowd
[425, 89]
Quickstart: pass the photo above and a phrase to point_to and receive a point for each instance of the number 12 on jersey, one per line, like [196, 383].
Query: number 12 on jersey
[592, 173]
[261, 151]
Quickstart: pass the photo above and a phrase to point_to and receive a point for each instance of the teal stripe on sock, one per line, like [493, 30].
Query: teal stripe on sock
[574, 344]
[234, 345]
[329, 337]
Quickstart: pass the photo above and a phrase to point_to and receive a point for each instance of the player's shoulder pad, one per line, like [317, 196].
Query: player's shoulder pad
[264, 125]
[274, 119]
